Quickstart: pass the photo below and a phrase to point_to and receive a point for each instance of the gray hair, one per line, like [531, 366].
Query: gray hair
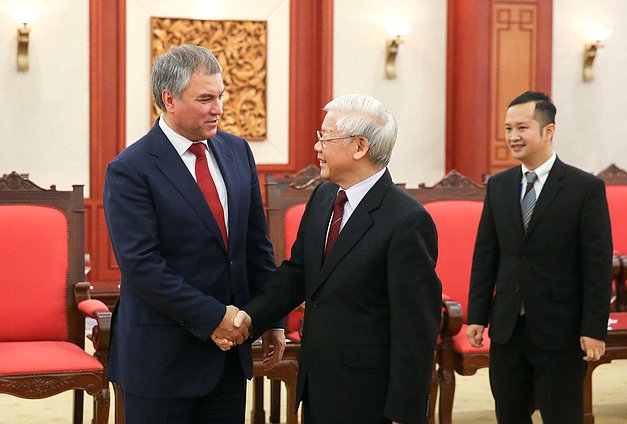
[173, 70]
[366, 116]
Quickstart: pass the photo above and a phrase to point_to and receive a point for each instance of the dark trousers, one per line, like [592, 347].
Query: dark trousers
[525, 376]
[224, 405]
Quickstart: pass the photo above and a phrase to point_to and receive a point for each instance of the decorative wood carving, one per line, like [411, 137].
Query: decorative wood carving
[307, 177]
[241, 49]
[15, 181]
[613, 175]
[453, 179]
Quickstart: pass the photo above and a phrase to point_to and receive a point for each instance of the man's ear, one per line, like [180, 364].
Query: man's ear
[549, 131]
[168, 101]
[363, 145]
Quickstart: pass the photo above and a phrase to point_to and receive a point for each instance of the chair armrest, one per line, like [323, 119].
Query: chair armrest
[452, 318]
[93, 308]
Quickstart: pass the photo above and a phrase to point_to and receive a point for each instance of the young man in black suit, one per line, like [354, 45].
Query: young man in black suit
[541, 274]
[373, 297]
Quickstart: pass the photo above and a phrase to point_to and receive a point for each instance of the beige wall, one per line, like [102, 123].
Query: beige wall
[417, 97]
[591, 116]
[44, 113]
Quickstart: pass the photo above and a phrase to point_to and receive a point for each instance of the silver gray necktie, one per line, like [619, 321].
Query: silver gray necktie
[529, 200]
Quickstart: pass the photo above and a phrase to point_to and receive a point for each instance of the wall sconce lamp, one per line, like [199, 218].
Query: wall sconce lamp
[397, 30]
[23, 17]
[597, 36]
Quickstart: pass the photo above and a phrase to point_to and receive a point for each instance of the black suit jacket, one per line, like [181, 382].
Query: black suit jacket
[177, 275]
[373, 307]
[561, 268]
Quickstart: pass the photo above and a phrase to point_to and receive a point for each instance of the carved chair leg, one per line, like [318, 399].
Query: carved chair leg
[102, 401]
[258, 414]
[78, 407]
[588, 417]
[446, 375]
[433, 394]
[119, 404]
[290, 386]
[275, 401]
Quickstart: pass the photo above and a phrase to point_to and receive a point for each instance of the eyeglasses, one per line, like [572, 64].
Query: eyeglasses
[322, 140]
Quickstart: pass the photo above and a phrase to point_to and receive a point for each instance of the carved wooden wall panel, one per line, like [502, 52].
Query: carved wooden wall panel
[241, 49]
[513, 69]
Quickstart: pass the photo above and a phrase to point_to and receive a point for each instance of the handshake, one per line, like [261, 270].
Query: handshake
[234, 329]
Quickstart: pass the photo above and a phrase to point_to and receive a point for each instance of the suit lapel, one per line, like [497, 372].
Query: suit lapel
[355, 228]
[552, 186]
[171, 165]
[512, 198]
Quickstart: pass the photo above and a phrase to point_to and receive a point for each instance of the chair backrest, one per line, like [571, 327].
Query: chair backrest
[293, 216]
[41, 240]
[457, 222]
[455, 204]
[616, 189]
[286, 200]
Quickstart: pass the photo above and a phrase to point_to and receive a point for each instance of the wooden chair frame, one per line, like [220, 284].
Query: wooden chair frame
[454, 186]
[18, 189]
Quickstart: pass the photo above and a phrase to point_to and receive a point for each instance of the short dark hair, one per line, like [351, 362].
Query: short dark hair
[545, 109]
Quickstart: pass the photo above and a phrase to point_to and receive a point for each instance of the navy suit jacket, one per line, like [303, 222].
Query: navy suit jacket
[373, 307]
[177, 275]
[561, 267]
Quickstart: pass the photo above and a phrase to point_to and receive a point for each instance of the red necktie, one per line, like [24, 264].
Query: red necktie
[336, 220]
[208, 187]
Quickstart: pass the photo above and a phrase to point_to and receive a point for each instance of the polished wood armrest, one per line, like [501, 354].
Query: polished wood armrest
[452, 318]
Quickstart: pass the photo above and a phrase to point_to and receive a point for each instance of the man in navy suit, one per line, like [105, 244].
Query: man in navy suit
[185, 252]
[373, 297]
[541, 273]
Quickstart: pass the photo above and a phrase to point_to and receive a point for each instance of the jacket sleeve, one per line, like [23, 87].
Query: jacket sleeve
[596, 262]
[415, 296]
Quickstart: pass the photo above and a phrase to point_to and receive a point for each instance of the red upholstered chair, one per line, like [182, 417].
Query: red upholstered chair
[616, 188]
[43, 301]
[455, 204]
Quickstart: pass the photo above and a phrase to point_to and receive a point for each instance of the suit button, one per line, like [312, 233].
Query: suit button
[315, 304]
[523, 259]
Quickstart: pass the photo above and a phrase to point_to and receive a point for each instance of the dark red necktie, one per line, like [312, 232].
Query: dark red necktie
[208, 187]
[336, 220]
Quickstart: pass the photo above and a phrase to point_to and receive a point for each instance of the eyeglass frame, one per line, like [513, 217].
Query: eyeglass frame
[319, 134]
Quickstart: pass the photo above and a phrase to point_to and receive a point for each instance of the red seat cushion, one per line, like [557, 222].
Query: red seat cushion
[621, 321]
[617, 203]
[44, 357]
[34, 264]
[457, 222]
[462, 345]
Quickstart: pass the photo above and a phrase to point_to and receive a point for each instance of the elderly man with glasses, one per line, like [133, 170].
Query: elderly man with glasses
[364, 261]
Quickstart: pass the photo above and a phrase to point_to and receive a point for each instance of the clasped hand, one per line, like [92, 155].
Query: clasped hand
[234, 329]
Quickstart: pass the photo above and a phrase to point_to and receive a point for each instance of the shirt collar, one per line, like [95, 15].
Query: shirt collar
[541, 171]
[358, 191]
[180, 143]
